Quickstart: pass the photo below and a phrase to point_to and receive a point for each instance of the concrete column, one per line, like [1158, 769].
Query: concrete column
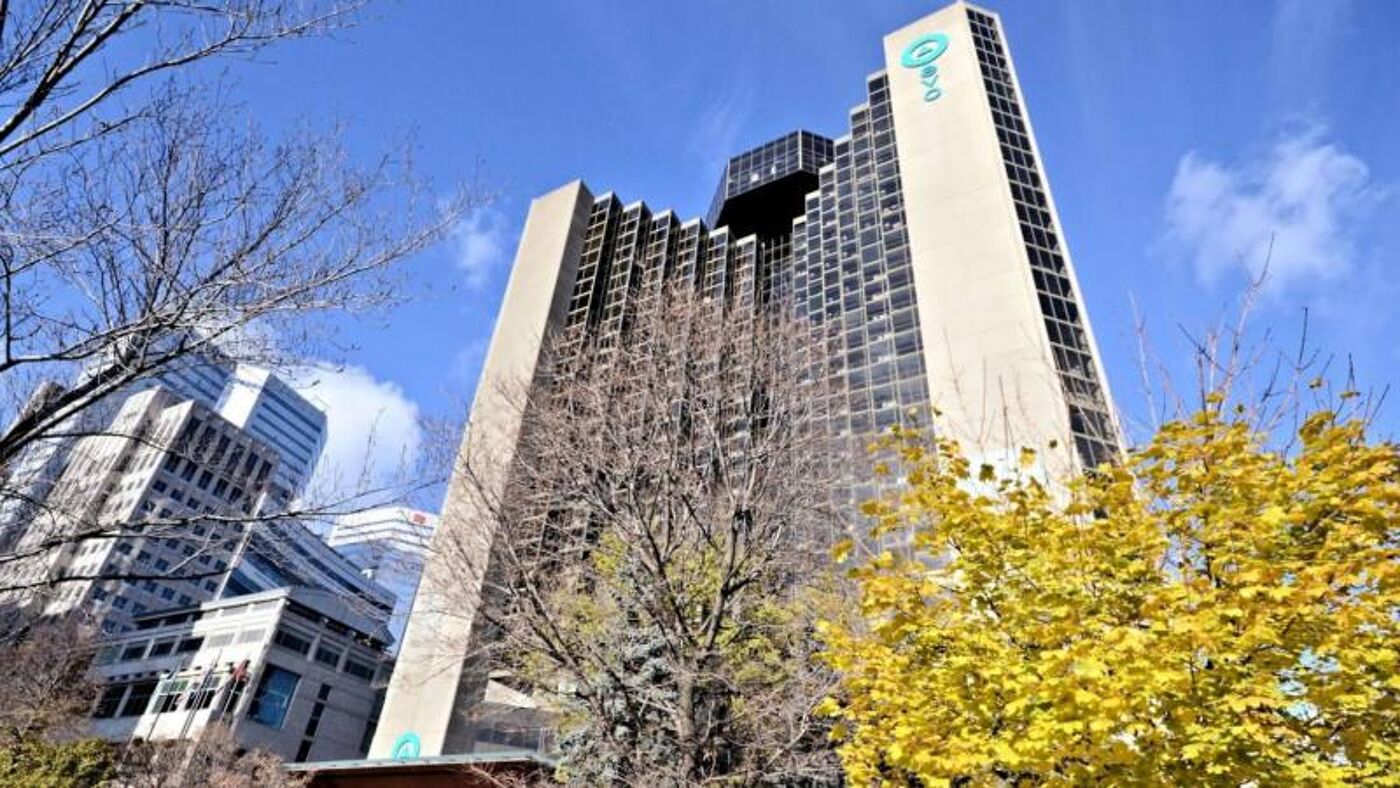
[423, 694]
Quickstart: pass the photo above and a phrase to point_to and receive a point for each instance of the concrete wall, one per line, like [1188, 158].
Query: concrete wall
[989, 362]
[423, 694]
[247, 624]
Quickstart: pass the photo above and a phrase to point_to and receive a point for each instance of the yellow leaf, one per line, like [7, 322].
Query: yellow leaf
[842, 550]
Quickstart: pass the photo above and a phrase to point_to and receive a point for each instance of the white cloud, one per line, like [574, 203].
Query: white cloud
[715, 133]
[373, 430]
[481, 242]
[1306, 196]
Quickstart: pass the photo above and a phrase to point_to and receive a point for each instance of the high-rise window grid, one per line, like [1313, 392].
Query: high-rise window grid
[845, 265]
[769, 162]
[714, 281]
[585, 304]
[175, 476]
[854, 276]
[625, 270]
[1090, 423]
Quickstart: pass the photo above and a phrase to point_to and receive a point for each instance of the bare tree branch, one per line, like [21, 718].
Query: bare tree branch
[656, 552]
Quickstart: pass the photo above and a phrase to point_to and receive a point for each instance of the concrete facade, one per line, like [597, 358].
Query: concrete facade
[291, 671]
[419, 710]
[164, 466]
[924, 239]
[990, 364]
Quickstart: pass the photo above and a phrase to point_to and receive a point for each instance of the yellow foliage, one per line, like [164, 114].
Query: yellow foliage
[1209, 613]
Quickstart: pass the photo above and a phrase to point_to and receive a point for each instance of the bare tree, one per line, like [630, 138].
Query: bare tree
[213, 759]
[46, 689]
[1271, 375]
[659, 549]
[147, 226]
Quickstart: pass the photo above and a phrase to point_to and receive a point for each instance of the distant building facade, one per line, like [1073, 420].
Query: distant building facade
[29, 477]
[180, 484]
[286, 554]
[389, 544]
[292, 671]
[272, 411]
[163, 498]
[248, 397]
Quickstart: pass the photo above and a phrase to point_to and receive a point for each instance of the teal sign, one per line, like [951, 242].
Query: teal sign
[406, 747]
[920, 55]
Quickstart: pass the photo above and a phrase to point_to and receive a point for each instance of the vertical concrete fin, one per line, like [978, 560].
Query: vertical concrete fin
[422, 696]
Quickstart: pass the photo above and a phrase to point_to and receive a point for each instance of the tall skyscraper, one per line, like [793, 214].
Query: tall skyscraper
[158, 498]
[181, 459]
[271, 410]
[29, 477]
[202, 377]
[924, 240]
[249, 397]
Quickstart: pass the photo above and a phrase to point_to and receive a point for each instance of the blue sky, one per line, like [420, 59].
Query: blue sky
[1179, 137]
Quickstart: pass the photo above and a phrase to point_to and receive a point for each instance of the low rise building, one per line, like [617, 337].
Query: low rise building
[286, 554]
[295, 671]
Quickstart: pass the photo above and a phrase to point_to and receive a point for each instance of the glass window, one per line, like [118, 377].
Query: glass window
[327, 656]
[359, 669]
[202, 695]
[169, 694]
[110, 700]
[273, 696]
[139, 698]
[292, 642]
[134, 650]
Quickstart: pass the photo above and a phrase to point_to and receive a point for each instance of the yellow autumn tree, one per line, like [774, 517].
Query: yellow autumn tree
[1211, 612]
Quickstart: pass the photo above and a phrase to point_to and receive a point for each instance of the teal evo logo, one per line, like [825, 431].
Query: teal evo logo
[921, 54]
[406, 747]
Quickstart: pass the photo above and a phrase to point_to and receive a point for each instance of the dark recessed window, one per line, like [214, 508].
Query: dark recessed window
[139, 699]
[292, 642]
[109, 702]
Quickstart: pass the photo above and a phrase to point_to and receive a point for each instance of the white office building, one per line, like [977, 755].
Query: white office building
[272, 411]
[293, 671]
[154, 512]
[158, 500]
[389, 545]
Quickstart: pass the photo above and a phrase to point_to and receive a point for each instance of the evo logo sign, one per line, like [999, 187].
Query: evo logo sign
[920, 55]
